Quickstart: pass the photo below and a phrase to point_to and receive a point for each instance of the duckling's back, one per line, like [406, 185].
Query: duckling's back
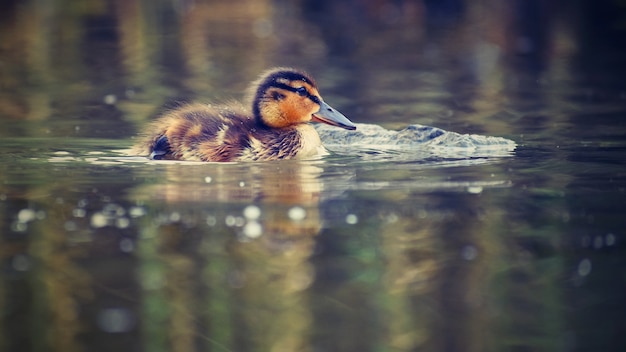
[197, 132]
[202, 132]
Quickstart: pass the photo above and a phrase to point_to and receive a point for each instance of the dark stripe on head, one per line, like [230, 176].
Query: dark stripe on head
[296, 90]
[290, 75]
[272, 79]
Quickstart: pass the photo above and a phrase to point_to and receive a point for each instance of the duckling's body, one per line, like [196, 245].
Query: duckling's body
[206, 133]
[283, 104]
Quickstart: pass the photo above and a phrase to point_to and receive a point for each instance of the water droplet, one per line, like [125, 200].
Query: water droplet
[230, 221]
[598, 242]
[122, 223]
[296, 213]
[98, 220]
[474, 189]
[79, 212]
[392, 217]
[253, 229]
[174, 217]
[469, 252]
[127, 245]
[208, 179]
[610, 239]
[584, 267]
[70, 226]
[136, 212]
[211, 220]
[26, 215]
[113, 210]
[110, 99]
[352, 219]
[129, 92]
[242, 184]
[116, 320]
[19, 226]
[252, 212]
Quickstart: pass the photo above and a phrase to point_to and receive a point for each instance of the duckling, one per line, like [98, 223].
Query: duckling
[284, 101]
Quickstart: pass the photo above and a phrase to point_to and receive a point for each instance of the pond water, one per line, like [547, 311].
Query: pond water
[367, 249]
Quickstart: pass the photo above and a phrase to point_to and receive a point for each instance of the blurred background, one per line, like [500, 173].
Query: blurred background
[363, 252]
[451, 63]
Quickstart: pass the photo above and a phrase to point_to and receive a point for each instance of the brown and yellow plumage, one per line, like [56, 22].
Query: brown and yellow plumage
[283, 104]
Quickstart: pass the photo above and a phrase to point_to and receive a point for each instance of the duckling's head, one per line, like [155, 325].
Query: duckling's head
[286, 97]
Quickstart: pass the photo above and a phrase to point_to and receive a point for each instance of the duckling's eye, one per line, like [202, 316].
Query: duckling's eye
[301, 91]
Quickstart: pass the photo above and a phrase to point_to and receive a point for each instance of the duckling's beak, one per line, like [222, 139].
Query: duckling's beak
[327, 114]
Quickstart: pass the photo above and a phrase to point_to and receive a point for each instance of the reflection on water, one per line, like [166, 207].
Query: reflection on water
[122, 252]
[370, 248]
[232, 256]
